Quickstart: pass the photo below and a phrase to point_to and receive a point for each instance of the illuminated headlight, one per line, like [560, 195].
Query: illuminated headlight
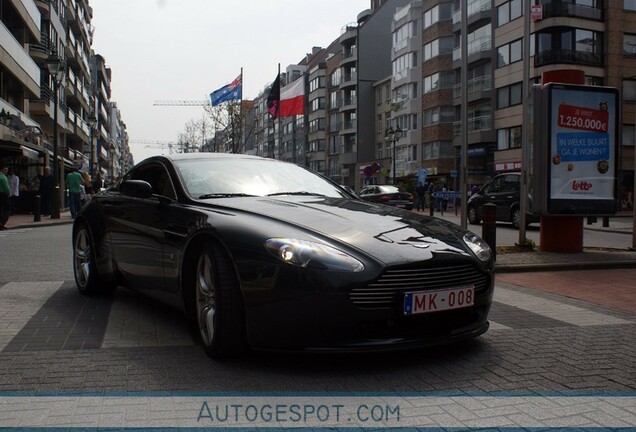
[479, 247]
[304, 253]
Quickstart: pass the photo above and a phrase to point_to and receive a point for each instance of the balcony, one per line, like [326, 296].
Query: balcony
[349, 79]
[477, 88]
[477, 46]
[348, 32]
[474, 8]
[550, 57]
[349, 127]
[475, 124]
[569, 10]
[349, 55]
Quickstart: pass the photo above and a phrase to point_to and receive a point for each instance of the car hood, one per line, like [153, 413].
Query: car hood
[389, 234]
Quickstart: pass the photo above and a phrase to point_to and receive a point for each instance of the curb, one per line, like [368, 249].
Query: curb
[40, 224]
[582, 265]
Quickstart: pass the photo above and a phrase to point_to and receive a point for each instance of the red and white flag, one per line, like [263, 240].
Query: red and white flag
[292, 99]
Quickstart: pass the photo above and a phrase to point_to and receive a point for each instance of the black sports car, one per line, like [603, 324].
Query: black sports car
[266, 254]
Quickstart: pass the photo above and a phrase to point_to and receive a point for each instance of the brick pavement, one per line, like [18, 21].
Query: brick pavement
[615, 288]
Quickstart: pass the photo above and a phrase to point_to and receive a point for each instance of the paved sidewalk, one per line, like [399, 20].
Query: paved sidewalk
[27, 220]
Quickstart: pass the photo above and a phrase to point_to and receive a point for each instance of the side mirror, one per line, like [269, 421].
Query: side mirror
[136, 188]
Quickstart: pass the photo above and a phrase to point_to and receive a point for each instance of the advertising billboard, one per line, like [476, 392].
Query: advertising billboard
[578, 150]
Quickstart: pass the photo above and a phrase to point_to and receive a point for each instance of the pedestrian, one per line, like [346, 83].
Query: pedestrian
[74, 184]
[86, 182]
[444, 197]
[5, 203]
[420, 197]
[45, 190]
[97, 183]
[14, 190]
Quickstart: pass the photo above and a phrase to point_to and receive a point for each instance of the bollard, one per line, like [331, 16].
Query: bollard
[36, 209]
[605, 221]
[431, 207]
[489, 227]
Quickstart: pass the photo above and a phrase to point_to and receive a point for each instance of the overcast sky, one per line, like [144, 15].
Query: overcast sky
[185, 49]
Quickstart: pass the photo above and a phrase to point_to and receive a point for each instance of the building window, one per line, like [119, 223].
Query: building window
[402, 35]
[509, 138]
[441, 46]
[509, 95]
[629, 90]
[441, 12]
[569, 45]
[402, 64]
[437, 150]
[629, 45]
[439, 81]
[508, 11]
[318, 104]
[336, 77]
[629, 5]
[440, 114]
[316, 83]
[510, 53]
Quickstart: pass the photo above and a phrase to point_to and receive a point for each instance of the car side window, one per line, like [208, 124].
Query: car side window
[511, 183]
[158, 177]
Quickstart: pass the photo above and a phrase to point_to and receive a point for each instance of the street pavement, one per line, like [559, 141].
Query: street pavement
[559, 353]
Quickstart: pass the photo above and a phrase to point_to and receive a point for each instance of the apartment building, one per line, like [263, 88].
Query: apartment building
[33, 33]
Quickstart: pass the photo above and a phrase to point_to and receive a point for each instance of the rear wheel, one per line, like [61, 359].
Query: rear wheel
[473, 216]
[84, 266]
[218, 304]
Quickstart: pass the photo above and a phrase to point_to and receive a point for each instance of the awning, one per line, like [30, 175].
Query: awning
[28, 153]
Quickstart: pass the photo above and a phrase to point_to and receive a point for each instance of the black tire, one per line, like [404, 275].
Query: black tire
[85, 271]
[219, 311]
[515, 217]
[473, 216]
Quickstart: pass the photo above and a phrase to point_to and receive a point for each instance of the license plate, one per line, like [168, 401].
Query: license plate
[438, 300]
[400, 205]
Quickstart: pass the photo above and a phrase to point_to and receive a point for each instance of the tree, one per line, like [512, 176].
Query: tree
[231, 129]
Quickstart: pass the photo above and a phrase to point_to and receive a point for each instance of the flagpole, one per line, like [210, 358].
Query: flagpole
[241, 120]
[280, 134]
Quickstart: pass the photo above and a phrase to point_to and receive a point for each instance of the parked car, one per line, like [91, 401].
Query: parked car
[503, 190]
[266, 254]
[387, 194]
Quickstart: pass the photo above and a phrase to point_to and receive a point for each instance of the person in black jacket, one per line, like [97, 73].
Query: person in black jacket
[45, 191]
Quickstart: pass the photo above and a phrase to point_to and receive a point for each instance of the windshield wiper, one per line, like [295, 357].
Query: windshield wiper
[224, 195]
[295, 193]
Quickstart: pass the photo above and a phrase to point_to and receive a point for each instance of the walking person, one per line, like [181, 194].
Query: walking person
[14, 190]
[44, 190]
[74, 184]
[5, 204]
[420, 196]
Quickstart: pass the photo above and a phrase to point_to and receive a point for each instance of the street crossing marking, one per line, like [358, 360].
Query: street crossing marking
[554, 309]
[11, 232]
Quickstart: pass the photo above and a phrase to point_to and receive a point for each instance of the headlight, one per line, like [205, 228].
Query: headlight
[304, 253]
[479, 247]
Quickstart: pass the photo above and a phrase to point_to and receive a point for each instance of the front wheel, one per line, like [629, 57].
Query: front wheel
[219, 306]
[472, 216]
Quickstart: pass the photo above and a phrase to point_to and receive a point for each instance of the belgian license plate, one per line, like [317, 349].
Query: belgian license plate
[438, 300]
[400, 205]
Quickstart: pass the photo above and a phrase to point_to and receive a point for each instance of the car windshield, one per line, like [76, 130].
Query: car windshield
[235, 177]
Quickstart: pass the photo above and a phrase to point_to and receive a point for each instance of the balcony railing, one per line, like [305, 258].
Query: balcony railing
[473, 8]
[474, 86]
[475, 124]
[558, 9]
[478, 45]
[567, 57]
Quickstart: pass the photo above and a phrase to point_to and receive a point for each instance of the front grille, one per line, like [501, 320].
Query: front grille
[394, 282]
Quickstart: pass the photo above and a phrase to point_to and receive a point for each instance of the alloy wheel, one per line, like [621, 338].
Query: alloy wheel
[82, 257]
[206, 298]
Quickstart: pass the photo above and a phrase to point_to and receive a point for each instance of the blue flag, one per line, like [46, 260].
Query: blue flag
[232, 91]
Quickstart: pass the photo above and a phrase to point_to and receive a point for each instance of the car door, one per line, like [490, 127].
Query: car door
[501, 193]
[138, 225]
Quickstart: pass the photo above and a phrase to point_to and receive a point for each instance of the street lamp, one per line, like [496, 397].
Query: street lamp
[393, 136]
[91, 121]
[54, 64]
